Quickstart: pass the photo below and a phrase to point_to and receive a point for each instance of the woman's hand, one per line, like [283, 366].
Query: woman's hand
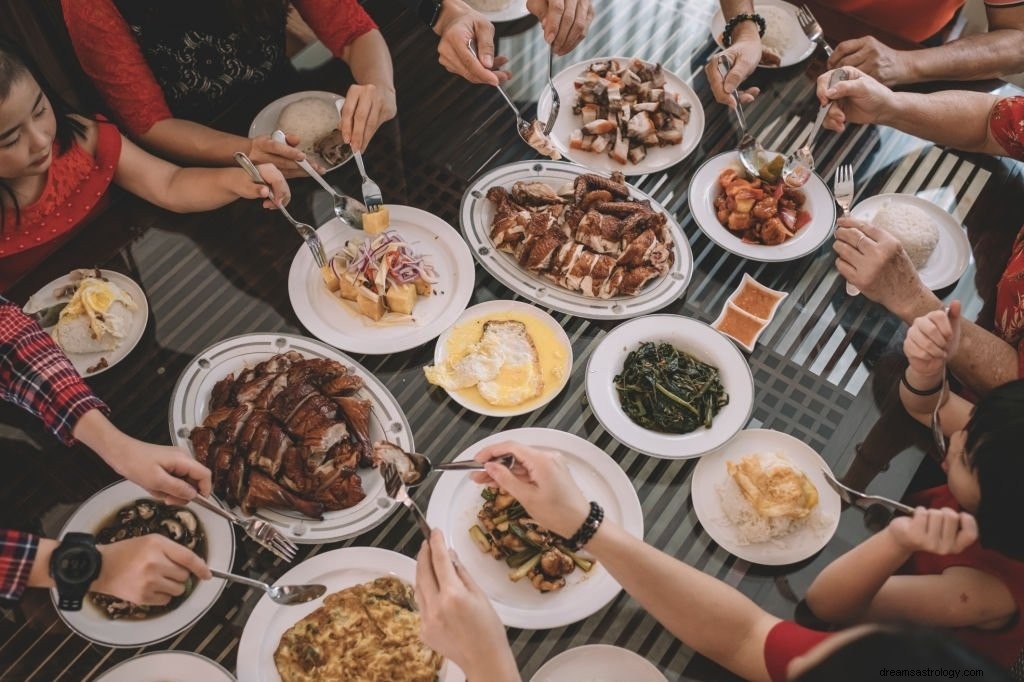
[859, 99]
[263, 149]
[167, 473]
[247, 189]
[458, 25]
[150, 569]
[936, 531]
[366, 108]
[744, 54]
[542, 484]
[874, 58]
[565, 22]
[933, 340]
[457, 618]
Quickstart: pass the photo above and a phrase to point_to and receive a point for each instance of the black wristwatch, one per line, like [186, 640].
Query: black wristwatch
[74, 565]
[430, 11]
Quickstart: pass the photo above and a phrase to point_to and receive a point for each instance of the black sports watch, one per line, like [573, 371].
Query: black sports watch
[74, 565]
[430, 11]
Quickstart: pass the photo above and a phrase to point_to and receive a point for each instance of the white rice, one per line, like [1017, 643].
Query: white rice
[488, 5]
[780, 26]
[310, 118]
[912, 227]
[752, 528]
[74, 335]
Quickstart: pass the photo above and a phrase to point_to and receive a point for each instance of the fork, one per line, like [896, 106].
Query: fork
[937, 435]
[842, 188]
[851, 496]
[259, 530]
[522, 127]
[556, 101]
[371, 190]
[812, 29]
[396, 490]
[307, 233]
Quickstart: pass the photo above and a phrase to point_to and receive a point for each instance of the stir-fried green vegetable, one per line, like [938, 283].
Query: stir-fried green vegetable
[664, 389]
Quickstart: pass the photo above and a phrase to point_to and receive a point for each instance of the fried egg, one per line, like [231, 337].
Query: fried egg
[503, 365]
[96, 318]
[773, 486]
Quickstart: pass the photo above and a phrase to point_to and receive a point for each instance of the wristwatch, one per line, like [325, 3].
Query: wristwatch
[430, 11]
[74, 565]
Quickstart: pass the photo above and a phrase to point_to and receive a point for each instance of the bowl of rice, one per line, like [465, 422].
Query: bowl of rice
[311, 115]
[783, 36]
[500, 10]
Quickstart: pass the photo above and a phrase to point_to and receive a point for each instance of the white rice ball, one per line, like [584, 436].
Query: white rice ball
[912, 227]
[74, 333]
[780, 25]
[310, 118]
[488, 5]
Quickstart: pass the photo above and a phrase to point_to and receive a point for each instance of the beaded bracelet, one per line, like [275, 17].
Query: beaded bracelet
[739, 19]
[917, 391]
[589, 527]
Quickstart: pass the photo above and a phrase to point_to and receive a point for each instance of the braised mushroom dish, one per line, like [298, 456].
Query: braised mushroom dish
[759, 212]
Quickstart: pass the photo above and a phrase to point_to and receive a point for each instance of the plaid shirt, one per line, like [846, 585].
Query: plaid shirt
[35, 373]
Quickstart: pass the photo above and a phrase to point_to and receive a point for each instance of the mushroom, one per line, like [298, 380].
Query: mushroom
[173, 530]
[146, 509]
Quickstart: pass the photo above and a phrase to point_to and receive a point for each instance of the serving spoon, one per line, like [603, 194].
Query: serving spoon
[345, 207]
[282, 594]
[413, 468]
[800, 163]
[749, 149]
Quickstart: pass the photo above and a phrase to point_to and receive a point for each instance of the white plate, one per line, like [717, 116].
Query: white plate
[516, 9]
[190, 402]
[952, 254]
[167, 666]
[693, 337]
[710, 472]
[598, 663]
[337, 570]
[799, 48]
[704, 188]
[504, 306]
[334, 321]
[477, 214]
[91, 624]
[265, 122]
[44, 298]
[456, 500]
[657, 159]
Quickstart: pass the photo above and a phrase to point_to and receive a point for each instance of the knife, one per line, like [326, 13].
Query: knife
[47, 317]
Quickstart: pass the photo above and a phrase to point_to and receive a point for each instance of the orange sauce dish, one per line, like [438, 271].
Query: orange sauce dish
[756, 300]
[740, 325]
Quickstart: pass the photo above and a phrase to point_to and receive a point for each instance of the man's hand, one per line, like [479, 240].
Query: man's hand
[366, 108]
[151, 569]
[458, 26]
[875, 58]
[745, 55]
[859, 99]
[565, 22]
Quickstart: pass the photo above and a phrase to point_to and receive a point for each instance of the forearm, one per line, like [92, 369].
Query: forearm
[983, 361]
[975, 57]
[843, 591]
[731, 8]
[702, 611]
[98, 434]
[191, 143]
[190, 190]
[370, 61]
[39, 576]
[952, 118]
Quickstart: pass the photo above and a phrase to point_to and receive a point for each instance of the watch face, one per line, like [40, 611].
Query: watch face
[77, 564]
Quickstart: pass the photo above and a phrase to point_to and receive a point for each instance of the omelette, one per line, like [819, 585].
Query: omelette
[365, 633]
[503, 365]
[773, 486]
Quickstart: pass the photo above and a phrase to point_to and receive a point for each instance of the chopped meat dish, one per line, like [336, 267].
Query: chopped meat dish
[626, 110]
[759, 212]
[598, 241]
[287, 433]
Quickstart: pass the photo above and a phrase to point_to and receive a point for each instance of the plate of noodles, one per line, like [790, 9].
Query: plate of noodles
[784, 42]
[312, 115]
[763, 498]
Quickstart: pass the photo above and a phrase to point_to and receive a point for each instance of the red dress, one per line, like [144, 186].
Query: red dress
[1003, 646]
[1007, 125]
[785, 642]
[76, 186]
[913, 20]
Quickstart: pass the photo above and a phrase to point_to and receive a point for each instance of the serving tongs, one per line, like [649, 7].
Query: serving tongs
[259, 530]
[863, 500]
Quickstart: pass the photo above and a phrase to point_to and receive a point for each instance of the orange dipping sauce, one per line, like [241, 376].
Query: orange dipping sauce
[740, 326]
[756, 301]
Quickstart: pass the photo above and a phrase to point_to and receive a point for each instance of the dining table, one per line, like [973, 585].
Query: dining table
[825, 371]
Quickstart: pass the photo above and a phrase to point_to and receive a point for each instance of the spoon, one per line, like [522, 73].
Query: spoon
[750, 151]
[282, 594]
[348, 209]
[413, 468]
[522, 127]
[799, 165]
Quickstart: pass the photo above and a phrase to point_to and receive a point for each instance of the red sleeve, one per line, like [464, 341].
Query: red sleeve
[335, 22]
[110, 55]
[786, 641]
[1007, 125]
[17, 552]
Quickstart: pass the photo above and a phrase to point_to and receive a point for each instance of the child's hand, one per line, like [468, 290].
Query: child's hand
[278, 185]
[933, 340]
[937, 531]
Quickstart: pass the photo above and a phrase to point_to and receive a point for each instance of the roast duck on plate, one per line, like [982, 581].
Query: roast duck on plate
[288, 433]
[592, 238]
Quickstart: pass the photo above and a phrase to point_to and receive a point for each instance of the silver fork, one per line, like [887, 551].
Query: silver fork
[259, 530]
[556, 101]
[307, 233]
[812, 29]
[842, 188]
[371, 190]
[851, 496]
[397, 491]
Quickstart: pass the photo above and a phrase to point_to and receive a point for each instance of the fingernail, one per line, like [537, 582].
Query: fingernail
[488, 61]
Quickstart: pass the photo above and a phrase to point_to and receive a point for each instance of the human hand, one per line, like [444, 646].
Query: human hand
[264, 149]
[859, 99]
[936, 531]
[933, 339]
[167, 473]
[744, 54]
[366, 108]
[150, 569]
[245, 188]
[458, 26]
[874, 261]
[565, 22]
[542, 484]
[874, 58]
[457, 619]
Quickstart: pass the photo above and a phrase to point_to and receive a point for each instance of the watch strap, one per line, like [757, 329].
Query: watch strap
[430, 11]
[70, 596]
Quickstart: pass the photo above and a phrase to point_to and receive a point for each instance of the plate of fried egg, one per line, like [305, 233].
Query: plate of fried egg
[502, 358]
[763, 498]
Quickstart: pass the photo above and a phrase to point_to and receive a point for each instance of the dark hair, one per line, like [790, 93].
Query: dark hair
[900, 647]
[993, 450]
[14, 65]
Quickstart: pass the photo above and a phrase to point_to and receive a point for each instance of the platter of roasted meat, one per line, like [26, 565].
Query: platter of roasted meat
[287, 426]
[623, 114]
[581, 243]
[760, 220]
